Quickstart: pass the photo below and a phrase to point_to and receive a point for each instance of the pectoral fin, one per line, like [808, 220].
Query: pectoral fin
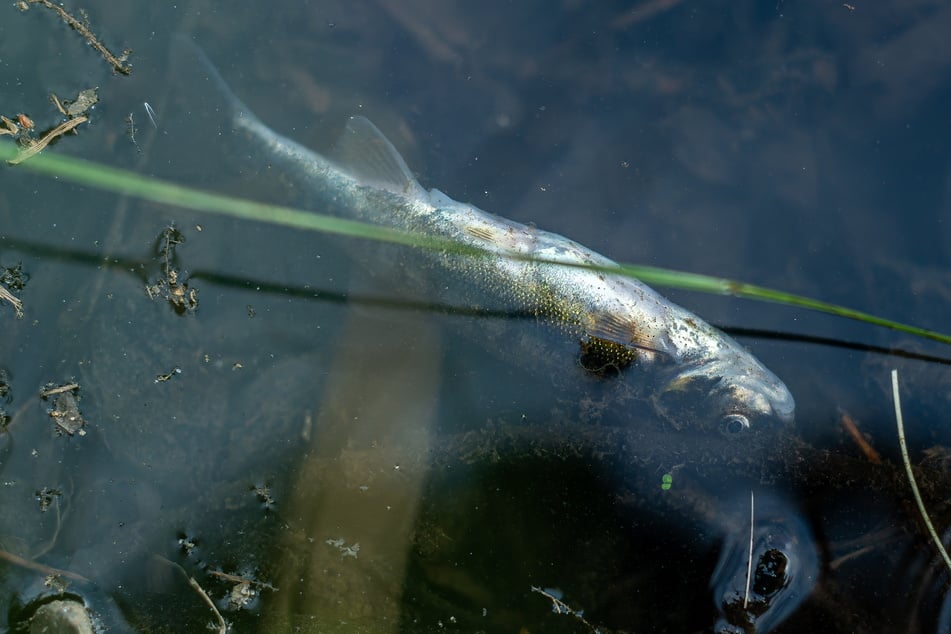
[613, 343]
[623, 332]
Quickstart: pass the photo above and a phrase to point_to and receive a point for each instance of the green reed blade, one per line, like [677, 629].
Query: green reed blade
[125, 182]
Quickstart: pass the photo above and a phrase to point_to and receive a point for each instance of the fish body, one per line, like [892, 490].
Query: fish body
[701, 375]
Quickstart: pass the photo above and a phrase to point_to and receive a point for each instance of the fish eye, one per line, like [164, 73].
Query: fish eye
[733, 424]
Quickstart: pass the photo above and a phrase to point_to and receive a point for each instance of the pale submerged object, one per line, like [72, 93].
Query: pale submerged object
[697, 376]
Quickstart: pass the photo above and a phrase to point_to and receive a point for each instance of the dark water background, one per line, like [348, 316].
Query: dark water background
[801, 146]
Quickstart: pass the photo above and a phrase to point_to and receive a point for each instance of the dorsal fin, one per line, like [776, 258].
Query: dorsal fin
[363, 152]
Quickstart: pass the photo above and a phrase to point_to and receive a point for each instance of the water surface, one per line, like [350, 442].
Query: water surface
[792, 146]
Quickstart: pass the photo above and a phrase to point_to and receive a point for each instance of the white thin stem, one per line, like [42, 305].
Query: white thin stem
[749, 562]
[911, 476]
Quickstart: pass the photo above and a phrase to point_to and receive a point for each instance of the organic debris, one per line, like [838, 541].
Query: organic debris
[33, 147]
[130, 130]
[4, 398]
[340, 544]
[79, 106]
[243, 591]
[168, 285]
[119, 64]
[65, 410]
[7, 296]
[162, 378]
[22, 129]
[558, 606]
[16, 560]
[263, 493]
[13, 277]
[220, 625]
[46, 497]
[56, 583]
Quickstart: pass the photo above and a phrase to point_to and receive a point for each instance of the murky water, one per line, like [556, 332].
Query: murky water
[318, 449]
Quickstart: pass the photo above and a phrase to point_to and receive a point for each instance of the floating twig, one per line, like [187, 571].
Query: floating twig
[749, 563]
[16, 560]
[222, 625]
[239, 579]
[59, 390]
[558, 606]
[118, 63]
[911, 476]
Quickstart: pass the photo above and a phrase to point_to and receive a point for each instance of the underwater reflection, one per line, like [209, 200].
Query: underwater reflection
[766, 570]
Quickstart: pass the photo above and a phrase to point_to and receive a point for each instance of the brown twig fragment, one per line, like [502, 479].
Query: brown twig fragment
[239, 579]
[16, 560]
[37, 146]
[222, 626]
[59, 390]
[117, 62]
[859, 439]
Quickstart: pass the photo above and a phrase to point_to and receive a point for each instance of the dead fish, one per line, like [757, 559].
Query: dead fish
[702, 377]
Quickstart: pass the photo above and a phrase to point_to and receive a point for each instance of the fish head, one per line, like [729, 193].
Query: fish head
[730, 394]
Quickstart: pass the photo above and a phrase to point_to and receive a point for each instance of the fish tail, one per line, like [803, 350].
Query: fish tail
[192, 62]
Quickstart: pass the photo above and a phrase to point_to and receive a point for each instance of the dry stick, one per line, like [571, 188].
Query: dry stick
[911, 476]
[37, 146]
[89, 35]
[237, 579]
[749, 563]
[222, 625]
[59, 390]
[46, 570]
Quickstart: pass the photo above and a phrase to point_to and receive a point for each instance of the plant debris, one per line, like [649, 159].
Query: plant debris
[169, 285]
[119, 64]
[243, 592]
[340, 544]
[23, 127]
[13, 277]
[30, 147]
[56, 583]
[558, 606]
[79, 106]
[46, 496]
[162, 378]
[65, 410]
[7, 296]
